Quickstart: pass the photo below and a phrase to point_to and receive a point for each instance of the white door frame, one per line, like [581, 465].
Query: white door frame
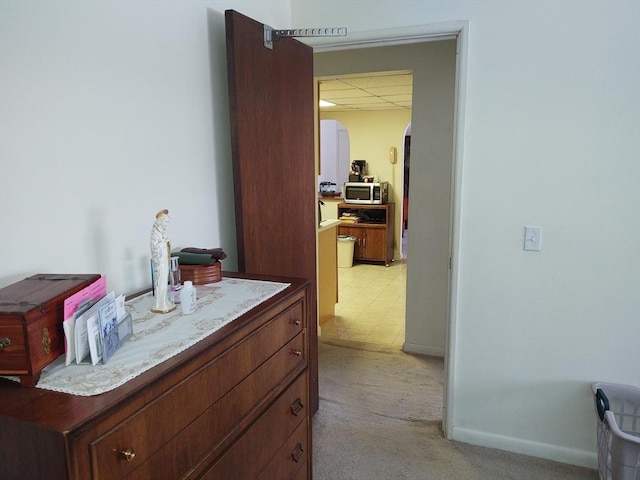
[423, 33]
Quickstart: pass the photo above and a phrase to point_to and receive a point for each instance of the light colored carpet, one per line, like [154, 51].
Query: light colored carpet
[380, 418]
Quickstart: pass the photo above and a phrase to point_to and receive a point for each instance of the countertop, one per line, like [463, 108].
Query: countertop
[337, 198]
[327, 224]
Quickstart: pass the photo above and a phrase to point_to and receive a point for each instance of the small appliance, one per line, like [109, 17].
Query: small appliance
[327, 189]
[375, 193]
[358, 170]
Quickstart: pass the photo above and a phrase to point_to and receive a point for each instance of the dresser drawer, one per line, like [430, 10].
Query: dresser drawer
[121, 450]
[204, 439]
[254, 451]
[291, 461]
[303, 473]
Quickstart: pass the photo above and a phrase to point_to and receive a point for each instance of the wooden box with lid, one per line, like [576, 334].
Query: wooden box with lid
[31, 315]
[201, 274]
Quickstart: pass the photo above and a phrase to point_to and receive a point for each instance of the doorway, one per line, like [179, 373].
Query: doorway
[374, 109]
[435, 224]
[406, 168]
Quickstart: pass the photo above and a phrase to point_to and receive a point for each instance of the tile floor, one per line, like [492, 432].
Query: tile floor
[371, 305]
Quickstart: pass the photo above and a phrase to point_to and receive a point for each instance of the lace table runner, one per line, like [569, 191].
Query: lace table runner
[158, 337]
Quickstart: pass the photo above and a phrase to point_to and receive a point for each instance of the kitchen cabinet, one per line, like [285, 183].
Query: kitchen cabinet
[234, 405]
[373, 232]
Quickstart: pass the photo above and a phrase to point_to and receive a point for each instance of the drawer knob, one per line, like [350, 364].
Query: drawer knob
[297, 352]
[128, 454]
[297, 321]
[4, 342]
[297, 407]
[297, 452]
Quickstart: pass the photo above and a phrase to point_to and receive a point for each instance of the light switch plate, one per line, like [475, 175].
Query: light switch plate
[533, 238]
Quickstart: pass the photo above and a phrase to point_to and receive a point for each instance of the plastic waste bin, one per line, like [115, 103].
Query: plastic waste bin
[346, 244]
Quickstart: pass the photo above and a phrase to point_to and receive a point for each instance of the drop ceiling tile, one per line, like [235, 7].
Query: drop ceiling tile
[393, 90]
[331, 85]
[398, 98]
[340, 94]
[381, 81]
[374, 91]
[385, 106]
[363, 101]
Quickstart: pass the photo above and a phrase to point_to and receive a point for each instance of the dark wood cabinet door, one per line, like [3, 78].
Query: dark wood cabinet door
[272, 135]
[375, 244]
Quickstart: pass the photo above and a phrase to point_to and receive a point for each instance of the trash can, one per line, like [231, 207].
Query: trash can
[346, 244]
[618, 431]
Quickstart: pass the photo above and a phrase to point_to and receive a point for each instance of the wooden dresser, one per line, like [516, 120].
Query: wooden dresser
[233, 406]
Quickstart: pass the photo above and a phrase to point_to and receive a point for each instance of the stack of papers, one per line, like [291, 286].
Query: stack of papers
[95, 324]
[347, 217]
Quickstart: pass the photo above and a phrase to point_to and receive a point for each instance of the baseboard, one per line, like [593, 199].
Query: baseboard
[555, 453]
[418, 349]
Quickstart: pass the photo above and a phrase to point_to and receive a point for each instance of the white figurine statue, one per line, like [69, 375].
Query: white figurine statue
[160, 254]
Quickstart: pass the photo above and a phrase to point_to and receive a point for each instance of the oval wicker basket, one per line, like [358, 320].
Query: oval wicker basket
[201, 274]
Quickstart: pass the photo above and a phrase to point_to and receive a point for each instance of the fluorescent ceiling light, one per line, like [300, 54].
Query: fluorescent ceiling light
[324, 103]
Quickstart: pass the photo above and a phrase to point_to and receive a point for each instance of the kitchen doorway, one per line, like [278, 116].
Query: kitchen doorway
[436, 153]
[375, 111]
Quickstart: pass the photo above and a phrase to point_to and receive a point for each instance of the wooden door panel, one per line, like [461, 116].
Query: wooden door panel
[272, 135]
[375, 244]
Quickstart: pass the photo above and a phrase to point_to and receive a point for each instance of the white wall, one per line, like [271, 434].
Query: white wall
[551, 138]
[109, 112]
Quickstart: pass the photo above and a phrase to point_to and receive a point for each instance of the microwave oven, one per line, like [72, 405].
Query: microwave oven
[375, 193]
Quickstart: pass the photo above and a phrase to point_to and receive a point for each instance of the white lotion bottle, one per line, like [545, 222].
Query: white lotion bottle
[188, 298]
